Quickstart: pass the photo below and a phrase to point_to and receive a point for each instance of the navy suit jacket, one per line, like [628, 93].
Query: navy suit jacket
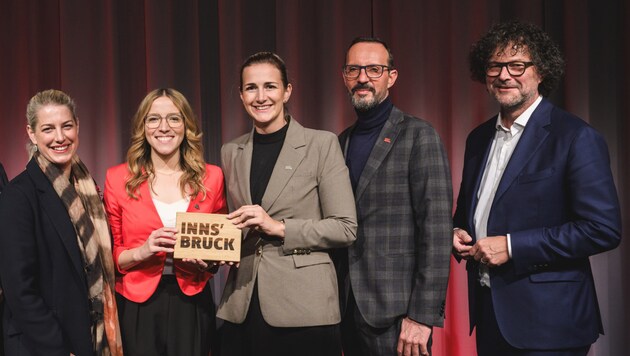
[46, 296]
[558, 202]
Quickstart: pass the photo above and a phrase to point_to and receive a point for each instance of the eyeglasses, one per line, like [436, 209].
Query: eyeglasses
[371, 70]
[154, 121]
[515, 69]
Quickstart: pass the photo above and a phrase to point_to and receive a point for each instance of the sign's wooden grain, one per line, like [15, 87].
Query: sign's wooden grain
[210, 237]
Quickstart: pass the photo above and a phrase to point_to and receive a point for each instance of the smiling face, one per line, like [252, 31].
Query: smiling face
[513, 93]
[56, 135]
[164, 139]
[366, 92]
[264, 95]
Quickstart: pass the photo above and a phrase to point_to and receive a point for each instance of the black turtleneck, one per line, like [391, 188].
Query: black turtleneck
[363, 136]
[264, 156]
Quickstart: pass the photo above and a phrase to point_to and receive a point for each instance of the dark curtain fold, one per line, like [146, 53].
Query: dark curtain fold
[108, 54]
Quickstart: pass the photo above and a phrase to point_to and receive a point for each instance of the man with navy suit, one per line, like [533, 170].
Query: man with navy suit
[537, 199]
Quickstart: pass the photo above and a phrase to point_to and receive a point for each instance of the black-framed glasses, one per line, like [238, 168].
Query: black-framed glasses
[515, 69]
[153, 121]
[373, 71]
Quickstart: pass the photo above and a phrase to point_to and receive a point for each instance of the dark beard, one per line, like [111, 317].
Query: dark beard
[363, 104]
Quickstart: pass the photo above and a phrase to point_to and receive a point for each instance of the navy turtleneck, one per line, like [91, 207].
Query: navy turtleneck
[363, 137]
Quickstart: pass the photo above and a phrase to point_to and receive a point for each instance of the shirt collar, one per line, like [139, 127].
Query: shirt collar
[521, 120]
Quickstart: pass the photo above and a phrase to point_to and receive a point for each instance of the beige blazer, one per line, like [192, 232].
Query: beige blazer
[310, 189]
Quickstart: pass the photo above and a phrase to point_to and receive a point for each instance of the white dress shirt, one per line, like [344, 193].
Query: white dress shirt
[503, 145]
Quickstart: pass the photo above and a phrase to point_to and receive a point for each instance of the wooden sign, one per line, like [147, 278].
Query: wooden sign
[210, 237]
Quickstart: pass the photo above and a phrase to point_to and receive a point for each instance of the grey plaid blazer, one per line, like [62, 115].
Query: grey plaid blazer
[399, 264]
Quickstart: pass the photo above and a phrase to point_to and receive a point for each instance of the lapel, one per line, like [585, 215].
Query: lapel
[380, 150]
[291, 155]
[343, 139]
[479, 151]
[534, 135]
[3, 178]
[198, 203]
[241, 171]
[195, 204]
[58, 214]
[148, 206]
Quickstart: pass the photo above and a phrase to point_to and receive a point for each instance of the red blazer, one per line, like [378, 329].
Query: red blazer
[133, 220]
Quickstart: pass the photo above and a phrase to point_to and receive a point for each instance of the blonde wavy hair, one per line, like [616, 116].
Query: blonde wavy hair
[191, 159]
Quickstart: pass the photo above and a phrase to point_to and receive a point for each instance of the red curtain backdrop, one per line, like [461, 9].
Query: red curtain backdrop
[108, 54]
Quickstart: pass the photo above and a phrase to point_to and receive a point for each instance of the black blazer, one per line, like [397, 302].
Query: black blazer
[46, 298]
[3, 178]
[3, 182]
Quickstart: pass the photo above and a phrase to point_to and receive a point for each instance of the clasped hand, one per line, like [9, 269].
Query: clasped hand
[491, 251]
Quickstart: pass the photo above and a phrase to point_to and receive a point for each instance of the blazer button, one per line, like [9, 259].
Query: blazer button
[259, 251]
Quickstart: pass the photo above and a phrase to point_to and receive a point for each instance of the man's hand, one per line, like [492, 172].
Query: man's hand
[491, 251]
[413, 338]
[461, 239]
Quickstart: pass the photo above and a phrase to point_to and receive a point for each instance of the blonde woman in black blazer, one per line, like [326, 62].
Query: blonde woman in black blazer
[55, 253]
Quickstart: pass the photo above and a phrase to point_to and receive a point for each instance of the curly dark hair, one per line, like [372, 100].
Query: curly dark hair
[543, 51]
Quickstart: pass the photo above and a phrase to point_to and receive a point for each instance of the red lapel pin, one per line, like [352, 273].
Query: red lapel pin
[387, 140]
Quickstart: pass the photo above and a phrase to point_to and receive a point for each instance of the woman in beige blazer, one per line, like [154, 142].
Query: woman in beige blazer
[289, 190]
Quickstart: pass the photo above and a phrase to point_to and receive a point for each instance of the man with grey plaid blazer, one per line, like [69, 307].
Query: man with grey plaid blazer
[393, 279]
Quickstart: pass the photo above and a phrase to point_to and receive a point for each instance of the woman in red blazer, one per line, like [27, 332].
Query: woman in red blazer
[165, 305]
